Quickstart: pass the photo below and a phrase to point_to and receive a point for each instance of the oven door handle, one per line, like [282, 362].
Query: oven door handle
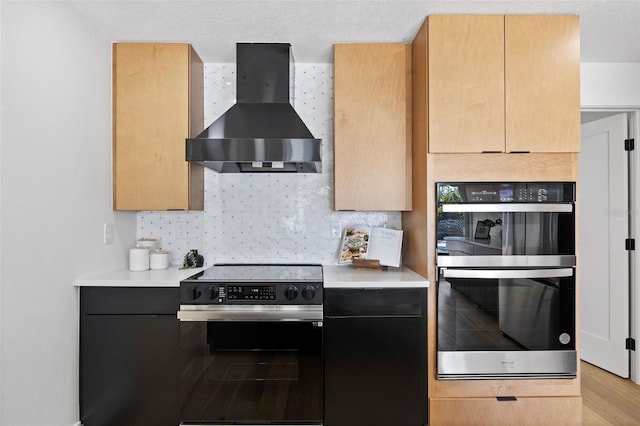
[270, 313]
[508, 273]
[508, 208]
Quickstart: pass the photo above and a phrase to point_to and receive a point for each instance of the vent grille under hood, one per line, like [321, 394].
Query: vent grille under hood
[261, 132]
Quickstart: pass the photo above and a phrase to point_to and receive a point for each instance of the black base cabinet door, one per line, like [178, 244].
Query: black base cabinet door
[374, 359]
[129, 351]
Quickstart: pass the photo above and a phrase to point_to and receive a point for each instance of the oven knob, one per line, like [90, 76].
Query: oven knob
[542, 195]
[195, 293]
[291, 292]
[308, 292]
[213, 293]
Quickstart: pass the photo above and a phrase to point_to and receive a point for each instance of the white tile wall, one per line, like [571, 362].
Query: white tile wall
[266, 217]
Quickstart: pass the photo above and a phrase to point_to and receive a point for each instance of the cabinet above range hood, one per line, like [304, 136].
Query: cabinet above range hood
[261, 132]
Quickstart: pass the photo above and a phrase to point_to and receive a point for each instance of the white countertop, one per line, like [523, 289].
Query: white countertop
[170, 277]
[335, 276]
[346, 276]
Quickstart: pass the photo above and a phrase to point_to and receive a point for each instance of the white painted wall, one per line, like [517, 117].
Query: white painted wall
[55, 177]
[613, 85]
[616, 87]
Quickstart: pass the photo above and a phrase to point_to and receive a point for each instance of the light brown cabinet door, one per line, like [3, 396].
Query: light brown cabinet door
[503, 83]
[157, 104]
[491, 411]
[542, 72]
[466, 83]
[372, 128]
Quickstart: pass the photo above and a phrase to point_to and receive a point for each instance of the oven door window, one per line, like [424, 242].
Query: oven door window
[508, 313]
[506, 233]
[251, 372]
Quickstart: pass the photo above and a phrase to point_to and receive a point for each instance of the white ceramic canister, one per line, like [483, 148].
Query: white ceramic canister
[150, 243]
[159, 259]
[138, 258]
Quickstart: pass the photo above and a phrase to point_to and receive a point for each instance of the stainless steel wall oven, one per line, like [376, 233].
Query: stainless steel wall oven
[251, 345]
[506, 280]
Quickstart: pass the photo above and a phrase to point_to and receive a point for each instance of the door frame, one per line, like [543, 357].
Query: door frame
[634, 264]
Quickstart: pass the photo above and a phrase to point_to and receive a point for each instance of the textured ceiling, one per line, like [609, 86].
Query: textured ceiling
[610, 30]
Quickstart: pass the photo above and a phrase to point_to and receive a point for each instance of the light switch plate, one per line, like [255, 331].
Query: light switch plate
[108, 233]
[336, 230]
[182, 229]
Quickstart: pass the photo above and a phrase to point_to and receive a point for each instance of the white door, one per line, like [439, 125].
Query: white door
[603, 268]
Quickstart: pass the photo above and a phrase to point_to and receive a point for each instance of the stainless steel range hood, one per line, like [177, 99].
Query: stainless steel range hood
[261, 132]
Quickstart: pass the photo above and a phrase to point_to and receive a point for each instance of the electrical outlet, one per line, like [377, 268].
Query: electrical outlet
[336, 230]
[181, 230]
[108, 233]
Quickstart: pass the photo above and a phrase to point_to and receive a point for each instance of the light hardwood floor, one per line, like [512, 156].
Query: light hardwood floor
[608, 399]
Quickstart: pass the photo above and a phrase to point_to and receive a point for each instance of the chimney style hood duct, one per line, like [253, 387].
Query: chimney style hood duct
[261, 132]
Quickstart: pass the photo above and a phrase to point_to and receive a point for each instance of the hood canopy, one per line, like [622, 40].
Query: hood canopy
[261, 132]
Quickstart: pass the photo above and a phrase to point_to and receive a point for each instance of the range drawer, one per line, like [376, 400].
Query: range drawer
[129, 300]
[375, 302]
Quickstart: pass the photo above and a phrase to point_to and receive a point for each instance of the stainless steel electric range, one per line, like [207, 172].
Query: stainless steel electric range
[251, 345]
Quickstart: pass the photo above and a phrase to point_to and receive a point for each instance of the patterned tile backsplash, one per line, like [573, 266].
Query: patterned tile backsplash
[268, 217]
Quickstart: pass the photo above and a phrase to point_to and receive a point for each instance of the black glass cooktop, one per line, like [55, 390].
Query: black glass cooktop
[248, 273]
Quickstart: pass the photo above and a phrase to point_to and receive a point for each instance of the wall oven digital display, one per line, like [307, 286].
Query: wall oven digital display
[506, 194]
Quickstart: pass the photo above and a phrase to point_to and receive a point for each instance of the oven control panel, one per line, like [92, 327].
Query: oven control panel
[281, 293]
[506, 192]
[251, 292]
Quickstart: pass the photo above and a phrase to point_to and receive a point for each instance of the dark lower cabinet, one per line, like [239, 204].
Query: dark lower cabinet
[129, 348]
[375, 349]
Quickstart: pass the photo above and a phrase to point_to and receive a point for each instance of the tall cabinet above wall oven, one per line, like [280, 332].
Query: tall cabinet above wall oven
[495, 99]
[484, 83]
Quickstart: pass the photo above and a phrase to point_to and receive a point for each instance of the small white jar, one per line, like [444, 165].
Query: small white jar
[150, 243]
[138, 258]
[159, 259]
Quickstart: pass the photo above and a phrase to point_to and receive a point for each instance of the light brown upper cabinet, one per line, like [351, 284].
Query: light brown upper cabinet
[465, 83]
[502, 83]
[372, 127]
[157, 104]
[542, 75]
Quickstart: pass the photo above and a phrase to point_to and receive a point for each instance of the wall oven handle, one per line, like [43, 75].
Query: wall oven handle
[508, 208]
[507, 273]
[508, 262]
[272, 313]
